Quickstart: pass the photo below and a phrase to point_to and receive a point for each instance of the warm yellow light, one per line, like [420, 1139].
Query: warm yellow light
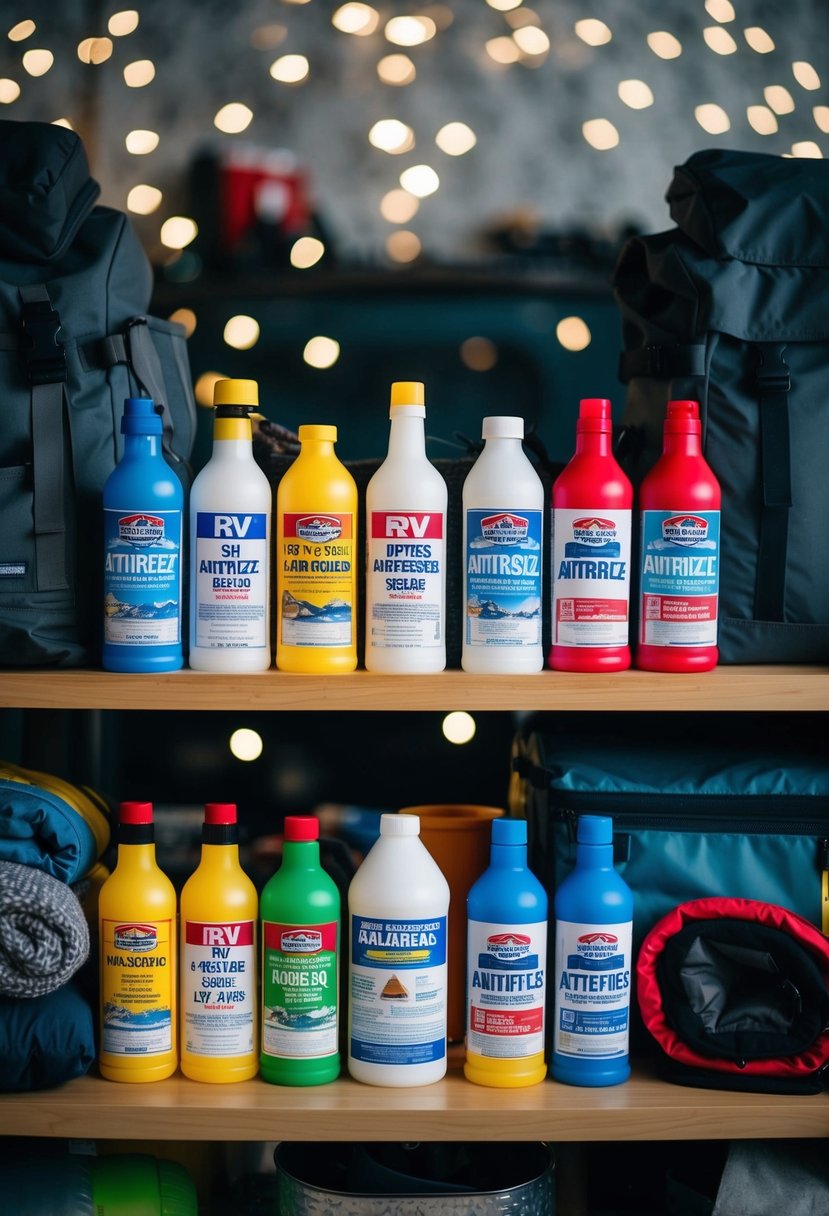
[503, 6]
[268, 37]
[178, 231]
[531, 40]
[396, 69]
[139, 73]
[720, 10]
[21, 31]
[391, 135]
[761, 119]
[306, 252]
[62, 122]
[241, 332]
[203, 388]
[665, 45]
[456, 138]
[592, 31]
[9, 91]
[359, 19]
[246, 744]
[779, 99]
[458, 727]
[187, 318]
[289, 69]
[398, 206]
[37, 63]
[600, 133]
[712, 118]
[441, 14]
[143, 200]
[233, 118]
[321, 352]
[635, 93]
[125, 22]
[719, 40]
[403, 246]
[479, 354]
[758, 40]
[805, 75]
[503, 50]
[573, 333]
[140, 143]
[420, 180]
[410, 31]
[821, 117]
[95, 50]
[807, 148]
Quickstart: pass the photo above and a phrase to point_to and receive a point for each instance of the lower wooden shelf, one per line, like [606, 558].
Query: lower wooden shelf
[644, 1108]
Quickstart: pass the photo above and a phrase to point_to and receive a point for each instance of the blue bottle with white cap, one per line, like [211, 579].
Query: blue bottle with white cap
[593, 964]
[143, 501]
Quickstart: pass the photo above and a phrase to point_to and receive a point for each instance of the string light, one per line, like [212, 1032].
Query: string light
[805, 75]
[9, 91]
[140, 143]
[420, 180]
[186, 318]
[719, 40]
[778, 99]
[519, 17]
[592, 31]
[762, 120]
[503, 50]
[38, 63]
[821, 117]
[139, 73]
[233, 118]
[290, 69]
[410, 31]
[203, 388]
[246, 744]
[391, 135]
[241, 332]
[665, 45]
[479, 354]
[360, 19]
[758, 40]
[95, 50]
[396, 69]
[807, 148]
[403, 246]
[573, 333]
[456, 139]
[321, 352]
[720, 10]
[123, 23]
[712, 118]
[532, 40]
[503, 6]
[398, 206]
[306, 252]
[458, 727]
[600, 133]
[62, 122]
[22, 31]
[635, 93]
[143, 200]
[178, 231]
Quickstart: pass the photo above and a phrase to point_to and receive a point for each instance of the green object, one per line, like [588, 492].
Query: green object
[300, 912]
[140, 1185]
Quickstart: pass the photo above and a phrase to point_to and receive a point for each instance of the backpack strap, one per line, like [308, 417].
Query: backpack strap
[773, 383]
[662, 362]
[46, 367]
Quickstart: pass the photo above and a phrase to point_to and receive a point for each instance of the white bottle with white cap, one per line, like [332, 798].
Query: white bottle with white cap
[398, 904]
[406, 547]
[503, 514]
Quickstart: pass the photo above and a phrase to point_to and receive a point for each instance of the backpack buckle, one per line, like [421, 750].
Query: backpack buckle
[45, 354]
[773, 375]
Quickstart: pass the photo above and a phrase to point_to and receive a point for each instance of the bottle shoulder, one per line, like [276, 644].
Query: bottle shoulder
[406, 484]
[508, 481]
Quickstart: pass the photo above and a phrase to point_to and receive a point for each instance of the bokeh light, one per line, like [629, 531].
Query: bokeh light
[143, 200]
[241, 332]
[321, 352]
[573, 333]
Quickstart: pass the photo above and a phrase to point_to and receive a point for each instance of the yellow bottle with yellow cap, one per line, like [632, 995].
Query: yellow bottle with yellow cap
[316, 559]
[406, 547]
[230, 514]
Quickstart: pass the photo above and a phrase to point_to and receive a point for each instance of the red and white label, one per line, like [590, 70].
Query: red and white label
[405, 580]
[506, 985]
[590, 577]
[218, 987]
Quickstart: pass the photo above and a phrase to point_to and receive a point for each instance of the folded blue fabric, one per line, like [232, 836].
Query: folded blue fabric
[49, 823]
[45, 1041]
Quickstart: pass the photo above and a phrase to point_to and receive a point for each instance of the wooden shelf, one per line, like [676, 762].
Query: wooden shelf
[644, 1108]
[724, 689]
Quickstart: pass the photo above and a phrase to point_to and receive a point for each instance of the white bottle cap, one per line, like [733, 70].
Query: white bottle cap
[399, 825]
[502, 428]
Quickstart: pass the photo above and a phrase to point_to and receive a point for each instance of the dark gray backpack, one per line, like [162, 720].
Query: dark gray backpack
[731, 308]
[75, 340]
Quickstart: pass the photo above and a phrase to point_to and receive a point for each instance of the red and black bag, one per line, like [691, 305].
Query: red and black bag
[736, 994]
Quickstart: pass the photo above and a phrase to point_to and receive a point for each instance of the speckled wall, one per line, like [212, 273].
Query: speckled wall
[524, 78]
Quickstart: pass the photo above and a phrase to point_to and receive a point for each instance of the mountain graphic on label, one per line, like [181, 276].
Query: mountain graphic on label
[393, 990]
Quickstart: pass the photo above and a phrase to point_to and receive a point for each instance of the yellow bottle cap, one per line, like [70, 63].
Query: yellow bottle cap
[319, 431]
[407, 392]
[236, 392]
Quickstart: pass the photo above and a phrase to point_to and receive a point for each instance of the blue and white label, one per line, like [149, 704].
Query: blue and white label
[142, 577]
[593, 989]
[398, 990]
[503, 577]
[230, 562]
[680, 578]
[590, 576]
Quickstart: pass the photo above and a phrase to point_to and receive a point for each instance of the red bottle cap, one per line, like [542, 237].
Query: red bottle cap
[301, 827]
[682, 417]
[136, 812]
[594, 415]
[220, 812]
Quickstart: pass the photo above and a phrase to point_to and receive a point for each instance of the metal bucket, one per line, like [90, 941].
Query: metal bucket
[424, 1179]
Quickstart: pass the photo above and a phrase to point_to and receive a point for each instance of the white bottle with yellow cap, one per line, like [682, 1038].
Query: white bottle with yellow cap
[406, 547]
[230, 519]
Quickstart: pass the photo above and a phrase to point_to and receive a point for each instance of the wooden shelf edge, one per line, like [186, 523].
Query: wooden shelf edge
[724, 689]
[644, 1108]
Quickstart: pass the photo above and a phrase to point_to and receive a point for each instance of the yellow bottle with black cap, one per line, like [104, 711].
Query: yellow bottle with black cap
[316, 559]
[230, 513]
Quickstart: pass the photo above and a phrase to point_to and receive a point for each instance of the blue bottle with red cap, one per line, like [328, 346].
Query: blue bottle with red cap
[593, 964]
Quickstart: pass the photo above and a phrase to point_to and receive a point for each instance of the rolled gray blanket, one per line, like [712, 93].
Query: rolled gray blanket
[44, 937]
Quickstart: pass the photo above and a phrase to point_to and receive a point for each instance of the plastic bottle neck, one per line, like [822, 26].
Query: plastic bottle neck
[682, 443]
[137, 856]
[301, 855]
[232, 439]
[407, 437]
[220, 856]
[508, 857]
[316, 449]
[140, 447]
[594, 443]
[594, 856]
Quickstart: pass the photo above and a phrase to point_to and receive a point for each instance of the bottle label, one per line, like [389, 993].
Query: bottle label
[142, 583]
[680, 578]
[503, 578]
[590, 577]
[405, 579]
[317, 582]
[299, 990]
[231, 584]
[505, 989]
[593, 970]
[398, 990]
[218, 987]
[137, 987]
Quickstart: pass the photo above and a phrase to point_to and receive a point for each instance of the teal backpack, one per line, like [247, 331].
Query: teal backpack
[75, 340]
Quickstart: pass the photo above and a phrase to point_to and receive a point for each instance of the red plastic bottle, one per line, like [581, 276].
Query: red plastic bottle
[680, 551]
[592, 503]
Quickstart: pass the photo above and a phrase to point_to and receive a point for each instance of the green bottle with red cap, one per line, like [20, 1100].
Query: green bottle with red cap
[300, 913]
